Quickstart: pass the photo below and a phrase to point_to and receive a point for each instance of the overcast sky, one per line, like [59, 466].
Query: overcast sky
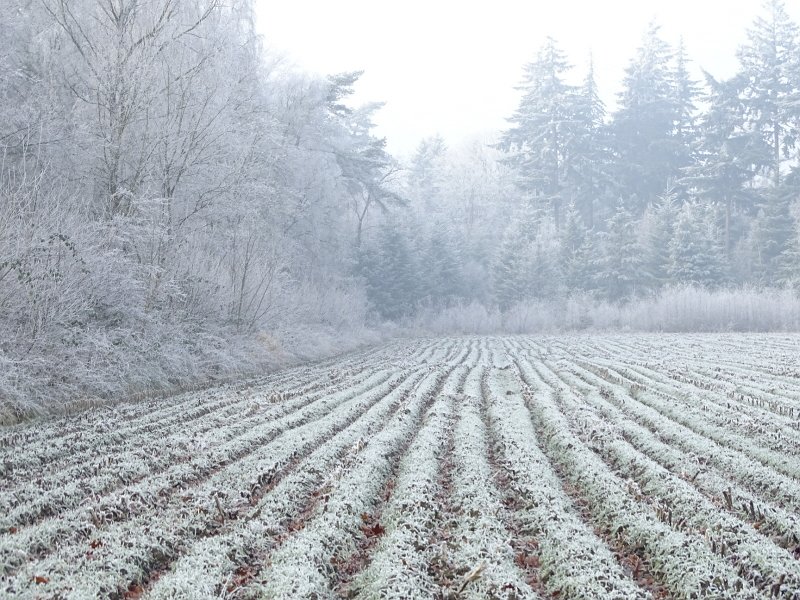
[450, 66]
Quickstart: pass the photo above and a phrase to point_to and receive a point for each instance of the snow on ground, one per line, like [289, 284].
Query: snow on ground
[627, 466]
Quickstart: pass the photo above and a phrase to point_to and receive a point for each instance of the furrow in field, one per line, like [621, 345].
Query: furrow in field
[719, 487]
[78, 517]
[475, 557]
[768, 429]
[158, 529]
[399, 566]
[304, 562]
[682, 563]
[31, 501]
[129, 414]
[109, 438]
[756, 387]
[756, 558]
[396, 563]
[721, 356]
[572, 562]
[694, 418]
[755, 475]
[765, 482]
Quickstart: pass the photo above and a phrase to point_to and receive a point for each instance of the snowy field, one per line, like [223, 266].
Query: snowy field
[578, 467]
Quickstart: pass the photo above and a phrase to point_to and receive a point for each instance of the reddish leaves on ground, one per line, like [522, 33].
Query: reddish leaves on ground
[374, 530]
[371, 528]
[135, 591]
[243, 575]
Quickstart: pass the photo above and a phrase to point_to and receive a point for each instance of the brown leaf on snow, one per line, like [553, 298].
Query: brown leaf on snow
[37, 579]
[374, 530]
[527, 561]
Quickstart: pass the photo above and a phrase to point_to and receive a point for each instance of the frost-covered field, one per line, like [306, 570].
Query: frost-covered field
[579, 467]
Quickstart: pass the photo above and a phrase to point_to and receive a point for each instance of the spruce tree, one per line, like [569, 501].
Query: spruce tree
[574, 261]
[440, 268]
[643, 127]
[695, 257]
[511, 272]
[685, 92]
[725, 155]
[769, 88]
[771, 240]
[789, 273]
[587, 155]
[659, 221]
[621, 273]
[537, 140]
[390, 272]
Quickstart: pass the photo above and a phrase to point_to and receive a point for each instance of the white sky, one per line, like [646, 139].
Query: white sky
[450, 66]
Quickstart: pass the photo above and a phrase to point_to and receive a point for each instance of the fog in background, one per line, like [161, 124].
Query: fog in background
[195, 189]
[450, 67]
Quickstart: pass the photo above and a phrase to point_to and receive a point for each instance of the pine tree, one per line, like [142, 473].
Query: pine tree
[643, 128]
[659, 221]
[621, 272]
[540, 125]
[771, 239]
[587, 156]
[574, 261]
[695, 257]
[770, 87]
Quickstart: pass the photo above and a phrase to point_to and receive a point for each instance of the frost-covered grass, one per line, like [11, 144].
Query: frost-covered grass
[200, 570]
[575, 563]
[400, 564]
[480, 537]
[681, 505]
[688, 567]
[563, 467]
[300, 567]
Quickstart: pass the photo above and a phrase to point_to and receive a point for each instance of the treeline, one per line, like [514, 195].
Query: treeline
[686, 182]
[175, 204]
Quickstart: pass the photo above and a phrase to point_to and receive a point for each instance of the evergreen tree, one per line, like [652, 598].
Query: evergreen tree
[769, 88]
[789, 274]
[725, 154]
[771, 238]
[511, 273]
[574, 261]
[537, 138]
[685, 130]
[659, 221]
[695, 257]
[390, 273]
[643, 128]
[587, 155]
[621, 271]
[426, 175]
[440, 268]
[543, 268]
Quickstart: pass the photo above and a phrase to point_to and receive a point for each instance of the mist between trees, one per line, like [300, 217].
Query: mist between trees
[177, 205]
